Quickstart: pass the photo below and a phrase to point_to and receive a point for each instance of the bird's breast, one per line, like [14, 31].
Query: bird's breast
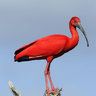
[70, 45]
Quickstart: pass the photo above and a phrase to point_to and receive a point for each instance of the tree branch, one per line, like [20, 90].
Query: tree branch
[13, 89]
[17, 93]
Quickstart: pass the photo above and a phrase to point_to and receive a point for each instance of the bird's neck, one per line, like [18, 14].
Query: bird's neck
[75, 37]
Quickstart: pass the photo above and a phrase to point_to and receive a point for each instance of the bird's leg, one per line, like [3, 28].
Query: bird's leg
[46, 77]
[51, 83]
[53, 89]
[46, 72]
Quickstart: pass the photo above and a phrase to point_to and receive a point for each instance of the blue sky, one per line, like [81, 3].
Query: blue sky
[23, 21]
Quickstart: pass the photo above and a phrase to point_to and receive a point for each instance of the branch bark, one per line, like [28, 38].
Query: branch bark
[13, 89]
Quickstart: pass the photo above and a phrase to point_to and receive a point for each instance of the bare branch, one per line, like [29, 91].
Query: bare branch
[13, 89]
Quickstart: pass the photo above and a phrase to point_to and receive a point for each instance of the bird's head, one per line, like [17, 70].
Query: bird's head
[75, 21]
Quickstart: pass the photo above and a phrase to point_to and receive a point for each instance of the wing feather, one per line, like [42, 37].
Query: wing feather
[24, 47]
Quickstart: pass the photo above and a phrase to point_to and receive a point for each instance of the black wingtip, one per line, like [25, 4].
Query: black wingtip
[15, 59]
[25, 58]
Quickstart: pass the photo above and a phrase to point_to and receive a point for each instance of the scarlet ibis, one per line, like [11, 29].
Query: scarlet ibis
[51, 47]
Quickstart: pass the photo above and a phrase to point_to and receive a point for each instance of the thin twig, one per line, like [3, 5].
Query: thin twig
[13, 89]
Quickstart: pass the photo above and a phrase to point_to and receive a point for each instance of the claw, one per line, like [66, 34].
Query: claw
[54, 92]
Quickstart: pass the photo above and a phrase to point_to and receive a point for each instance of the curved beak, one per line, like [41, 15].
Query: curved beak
[83, 31]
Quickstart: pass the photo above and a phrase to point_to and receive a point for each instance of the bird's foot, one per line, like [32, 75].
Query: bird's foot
[53, 92]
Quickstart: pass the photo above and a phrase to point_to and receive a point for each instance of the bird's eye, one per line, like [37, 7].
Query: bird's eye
[75, 21]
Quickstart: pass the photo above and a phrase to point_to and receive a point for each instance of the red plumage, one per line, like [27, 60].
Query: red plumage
[50, 47]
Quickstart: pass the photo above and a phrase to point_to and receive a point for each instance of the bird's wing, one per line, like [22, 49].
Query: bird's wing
[24, 47]
[47, 46]
[50, 45]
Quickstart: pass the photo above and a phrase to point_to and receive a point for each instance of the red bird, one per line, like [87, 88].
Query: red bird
[51, 47]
